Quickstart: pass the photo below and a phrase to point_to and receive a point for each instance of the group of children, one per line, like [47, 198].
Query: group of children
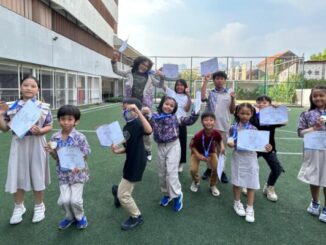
[29, 170]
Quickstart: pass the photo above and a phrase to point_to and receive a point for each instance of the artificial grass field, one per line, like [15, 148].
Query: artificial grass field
[204, 219]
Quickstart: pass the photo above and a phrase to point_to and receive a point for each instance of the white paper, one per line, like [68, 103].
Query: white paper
[209, 66]
[198, 102]
[25, 118]
[315, 140]
[109, 134]
[71, 158]
[252, 140]
[220, 166]
[274, 115]
[170, 70]
[123, 46]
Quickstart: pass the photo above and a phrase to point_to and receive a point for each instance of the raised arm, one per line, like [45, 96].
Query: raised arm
[232, 104]
[204, 87]
[114, 63]
[158, 82]
[188, 105]
[190, 120]
[3, 124]
[145, 123]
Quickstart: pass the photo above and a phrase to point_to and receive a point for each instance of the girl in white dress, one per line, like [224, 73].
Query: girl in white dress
[244, 164]
[28, 167]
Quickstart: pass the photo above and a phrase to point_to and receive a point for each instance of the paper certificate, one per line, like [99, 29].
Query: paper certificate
[252, 140]
[198, 102]
[109, 134]
[220, 165]
[170, 70]
[315, 140]
[274, 115]
[208, 66]
[123, 46]
[25, 118]
[71, 158]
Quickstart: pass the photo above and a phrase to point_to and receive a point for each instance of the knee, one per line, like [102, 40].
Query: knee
[64, 201]
[123, 197]
[76, 202]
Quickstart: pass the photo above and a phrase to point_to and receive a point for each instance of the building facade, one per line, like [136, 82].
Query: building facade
[66, 44]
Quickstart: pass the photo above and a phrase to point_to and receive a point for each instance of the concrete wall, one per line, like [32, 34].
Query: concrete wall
[85, 13]
[303, 97]
[112, 7]
[24, 40]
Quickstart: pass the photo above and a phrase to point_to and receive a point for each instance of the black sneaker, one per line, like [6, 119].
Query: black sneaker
[131, 223]
[224, 178]
[117, 203]
[206, 174]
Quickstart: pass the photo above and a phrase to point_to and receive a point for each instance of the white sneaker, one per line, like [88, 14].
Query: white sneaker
[271, 195]
[194, 186]
[149, 155]
[215, 192]
[244, 191]
[322, 216]
[238, 208]
[180, 169]
[17, 214]
[265, 189]
[250, 216]
[39, 211]
[313, 208]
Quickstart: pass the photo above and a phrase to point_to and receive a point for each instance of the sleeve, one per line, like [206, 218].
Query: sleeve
[194, 141]
[117, 71]
[303, 123]
[157, 83]
[84, 146]
[190, 120]
[48, 119]
[218, 137]
[232, 131]
[169, 92]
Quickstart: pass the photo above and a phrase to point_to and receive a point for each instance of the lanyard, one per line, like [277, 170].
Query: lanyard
[235, 131]
[206, 151]
[161, 116]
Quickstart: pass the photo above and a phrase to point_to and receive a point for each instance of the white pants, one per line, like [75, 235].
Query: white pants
[168, 161]
[71, 200]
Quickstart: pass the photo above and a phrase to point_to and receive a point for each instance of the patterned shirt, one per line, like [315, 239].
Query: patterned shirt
[166, 128]
[75, 139]
[46, 116]
[309, 119]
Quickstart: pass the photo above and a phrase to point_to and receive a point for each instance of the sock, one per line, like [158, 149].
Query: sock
[315, 204]
[19, 205]
[237, 202]
[39, 205]
[250, 208]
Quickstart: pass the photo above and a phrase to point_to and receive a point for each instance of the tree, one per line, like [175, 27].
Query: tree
[320, 56]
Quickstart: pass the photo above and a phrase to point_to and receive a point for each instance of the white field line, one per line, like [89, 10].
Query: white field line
[287, 131]
[89, 110]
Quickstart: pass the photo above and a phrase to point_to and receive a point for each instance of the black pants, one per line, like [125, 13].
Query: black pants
[183, 143]
[275, 166]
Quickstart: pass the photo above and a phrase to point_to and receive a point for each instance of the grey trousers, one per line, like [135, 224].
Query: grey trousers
[168, 163]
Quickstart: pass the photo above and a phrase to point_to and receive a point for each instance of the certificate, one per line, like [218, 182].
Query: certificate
[315, 140]
[25, 118]
[198, 102]
[71, 158]
[220, 166]
[252, 140]
[274, 115]
[109, 134]
[170, 70]
[208, 66]
[123, 46]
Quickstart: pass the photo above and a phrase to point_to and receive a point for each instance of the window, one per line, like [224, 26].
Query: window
[60, 89]
[46, 81]
[316, 73]
[9, 90]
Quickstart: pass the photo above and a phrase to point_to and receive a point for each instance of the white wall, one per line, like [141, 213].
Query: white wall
[112, 7]
[319, 67]
[85, 13]
[27, 41]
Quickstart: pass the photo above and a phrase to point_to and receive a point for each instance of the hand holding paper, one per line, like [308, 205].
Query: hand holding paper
[109, 134]
[253, 140]
[198, 102]
[170, 70]
[273, 115]
[209, 66]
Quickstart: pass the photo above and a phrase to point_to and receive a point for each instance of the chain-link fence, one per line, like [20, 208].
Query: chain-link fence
[280, 77]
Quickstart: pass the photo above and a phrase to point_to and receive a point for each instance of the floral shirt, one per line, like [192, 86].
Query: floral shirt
[75, 139]
[308, 119]
[166, 127]
[46, 116]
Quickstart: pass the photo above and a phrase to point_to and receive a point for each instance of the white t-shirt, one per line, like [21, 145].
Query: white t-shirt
[181, 99]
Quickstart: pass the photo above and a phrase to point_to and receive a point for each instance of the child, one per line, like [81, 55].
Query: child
[139, 84]
[244, 164]
[182, 96]
[71, 181]
[28, 167]
[166, 134]
[220, 101]
[270, 157]
[203, 148]
[313, 169]
[137, 126]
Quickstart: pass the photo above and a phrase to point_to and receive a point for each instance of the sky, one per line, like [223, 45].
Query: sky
[223, 27]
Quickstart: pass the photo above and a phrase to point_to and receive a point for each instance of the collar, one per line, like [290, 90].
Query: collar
[71, 134]
[220, 90]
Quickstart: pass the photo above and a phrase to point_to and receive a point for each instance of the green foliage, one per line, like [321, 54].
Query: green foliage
[320, 56]
[312, 83]
[114, 99]
[283, 92]
[247, 94]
